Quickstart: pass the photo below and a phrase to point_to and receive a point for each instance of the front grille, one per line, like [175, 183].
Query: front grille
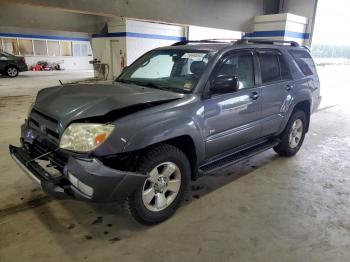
[56, 158]
[46, 143]
[44, 125]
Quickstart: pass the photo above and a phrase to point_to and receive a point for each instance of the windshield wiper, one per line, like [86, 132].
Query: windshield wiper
[127, 81]
[152, 85]
[140, 83]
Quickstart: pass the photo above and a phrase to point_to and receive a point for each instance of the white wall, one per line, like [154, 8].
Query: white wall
[137, 46]
[140, 38]
[200, 33]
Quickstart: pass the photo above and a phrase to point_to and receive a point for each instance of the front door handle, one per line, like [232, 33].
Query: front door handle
[254, 95]
[289, 87]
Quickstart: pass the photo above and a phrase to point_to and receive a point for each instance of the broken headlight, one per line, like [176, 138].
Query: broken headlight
[85, 137]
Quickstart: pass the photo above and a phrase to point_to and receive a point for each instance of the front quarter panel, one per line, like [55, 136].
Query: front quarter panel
[155, 125]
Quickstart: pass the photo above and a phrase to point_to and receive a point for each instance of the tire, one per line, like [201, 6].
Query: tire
[293, 136]
[11, 71]
[153, 203]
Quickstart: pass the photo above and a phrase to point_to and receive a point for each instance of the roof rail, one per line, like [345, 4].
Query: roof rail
[265, 41]
[306, 47]
[204, 41]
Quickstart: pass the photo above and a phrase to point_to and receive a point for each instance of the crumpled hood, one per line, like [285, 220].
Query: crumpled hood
[78, 101]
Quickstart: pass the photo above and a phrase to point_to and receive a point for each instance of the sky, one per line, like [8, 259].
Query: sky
[332, 22]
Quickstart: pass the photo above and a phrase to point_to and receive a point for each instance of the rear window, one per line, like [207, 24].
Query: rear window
[304, 61]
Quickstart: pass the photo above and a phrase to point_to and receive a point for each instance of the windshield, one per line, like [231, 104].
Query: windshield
[173, 70]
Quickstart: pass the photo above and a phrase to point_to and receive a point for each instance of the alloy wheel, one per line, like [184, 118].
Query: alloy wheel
[296, 133]
[12, 71]
[161, 187]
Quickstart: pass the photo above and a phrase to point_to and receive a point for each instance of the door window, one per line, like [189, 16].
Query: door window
[240, 66]
[270, 71]
[285, 74]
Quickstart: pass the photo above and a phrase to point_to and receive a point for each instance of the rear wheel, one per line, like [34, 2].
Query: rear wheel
[158, 198]
[293, 136]
[11, 71]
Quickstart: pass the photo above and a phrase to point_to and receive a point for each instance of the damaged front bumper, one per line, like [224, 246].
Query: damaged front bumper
[83, 179]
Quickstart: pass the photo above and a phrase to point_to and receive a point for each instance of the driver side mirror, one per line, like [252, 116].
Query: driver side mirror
[224, 84]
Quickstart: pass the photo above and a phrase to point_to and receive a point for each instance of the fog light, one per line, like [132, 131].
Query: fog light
[87, 190]
[73, 180]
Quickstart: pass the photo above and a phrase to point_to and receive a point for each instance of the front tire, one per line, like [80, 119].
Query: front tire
[158, 198]
[293, 136]
[11, 71]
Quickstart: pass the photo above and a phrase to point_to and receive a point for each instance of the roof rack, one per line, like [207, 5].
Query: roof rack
[204, 41]
[265, 41]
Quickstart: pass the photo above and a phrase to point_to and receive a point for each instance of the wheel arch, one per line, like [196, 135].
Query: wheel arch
[304, 106]
[186, 144]
[11, 65]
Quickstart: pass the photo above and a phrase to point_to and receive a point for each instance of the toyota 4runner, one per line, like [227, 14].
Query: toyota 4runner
[175, 114]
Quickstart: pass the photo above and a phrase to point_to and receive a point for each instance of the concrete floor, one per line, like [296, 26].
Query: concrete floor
[266, 209]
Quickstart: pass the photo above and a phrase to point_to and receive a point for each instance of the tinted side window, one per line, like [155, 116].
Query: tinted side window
[285, 73]
[242, 67]
[304, 61]
[269, 66]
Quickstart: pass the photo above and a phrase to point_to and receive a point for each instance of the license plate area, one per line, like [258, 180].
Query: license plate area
[51, 171]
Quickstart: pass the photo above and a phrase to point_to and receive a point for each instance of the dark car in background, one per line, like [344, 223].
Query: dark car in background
[11, 65]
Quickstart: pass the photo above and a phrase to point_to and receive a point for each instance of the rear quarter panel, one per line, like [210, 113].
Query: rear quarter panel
[306, 88]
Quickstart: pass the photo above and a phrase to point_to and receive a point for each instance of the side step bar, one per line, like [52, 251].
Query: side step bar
[236, 157]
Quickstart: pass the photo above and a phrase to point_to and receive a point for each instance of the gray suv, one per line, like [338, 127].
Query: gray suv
[175, 114]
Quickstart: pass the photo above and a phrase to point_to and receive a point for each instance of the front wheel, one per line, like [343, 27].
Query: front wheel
[293, 136]
[11, 71]
[158, 198]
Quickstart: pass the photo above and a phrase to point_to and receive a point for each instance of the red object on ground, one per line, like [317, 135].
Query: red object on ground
[37, 68]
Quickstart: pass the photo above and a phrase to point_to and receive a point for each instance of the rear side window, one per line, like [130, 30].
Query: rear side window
[304, 61]
[285, 73]
[273, 67]
[269, 66]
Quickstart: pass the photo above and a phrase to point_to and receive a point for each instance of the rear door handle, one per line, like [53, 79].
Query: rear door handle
[254, 95]
[289, 87]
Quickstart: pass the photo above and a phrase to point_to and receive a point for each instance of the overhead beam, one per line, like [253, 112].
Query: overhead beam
[25, 16]
[226, 14]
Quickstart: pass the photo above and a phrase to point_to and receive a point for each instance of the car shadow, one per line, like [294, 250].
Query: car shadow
[72, 223]
[111, 222]
[19, 76]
